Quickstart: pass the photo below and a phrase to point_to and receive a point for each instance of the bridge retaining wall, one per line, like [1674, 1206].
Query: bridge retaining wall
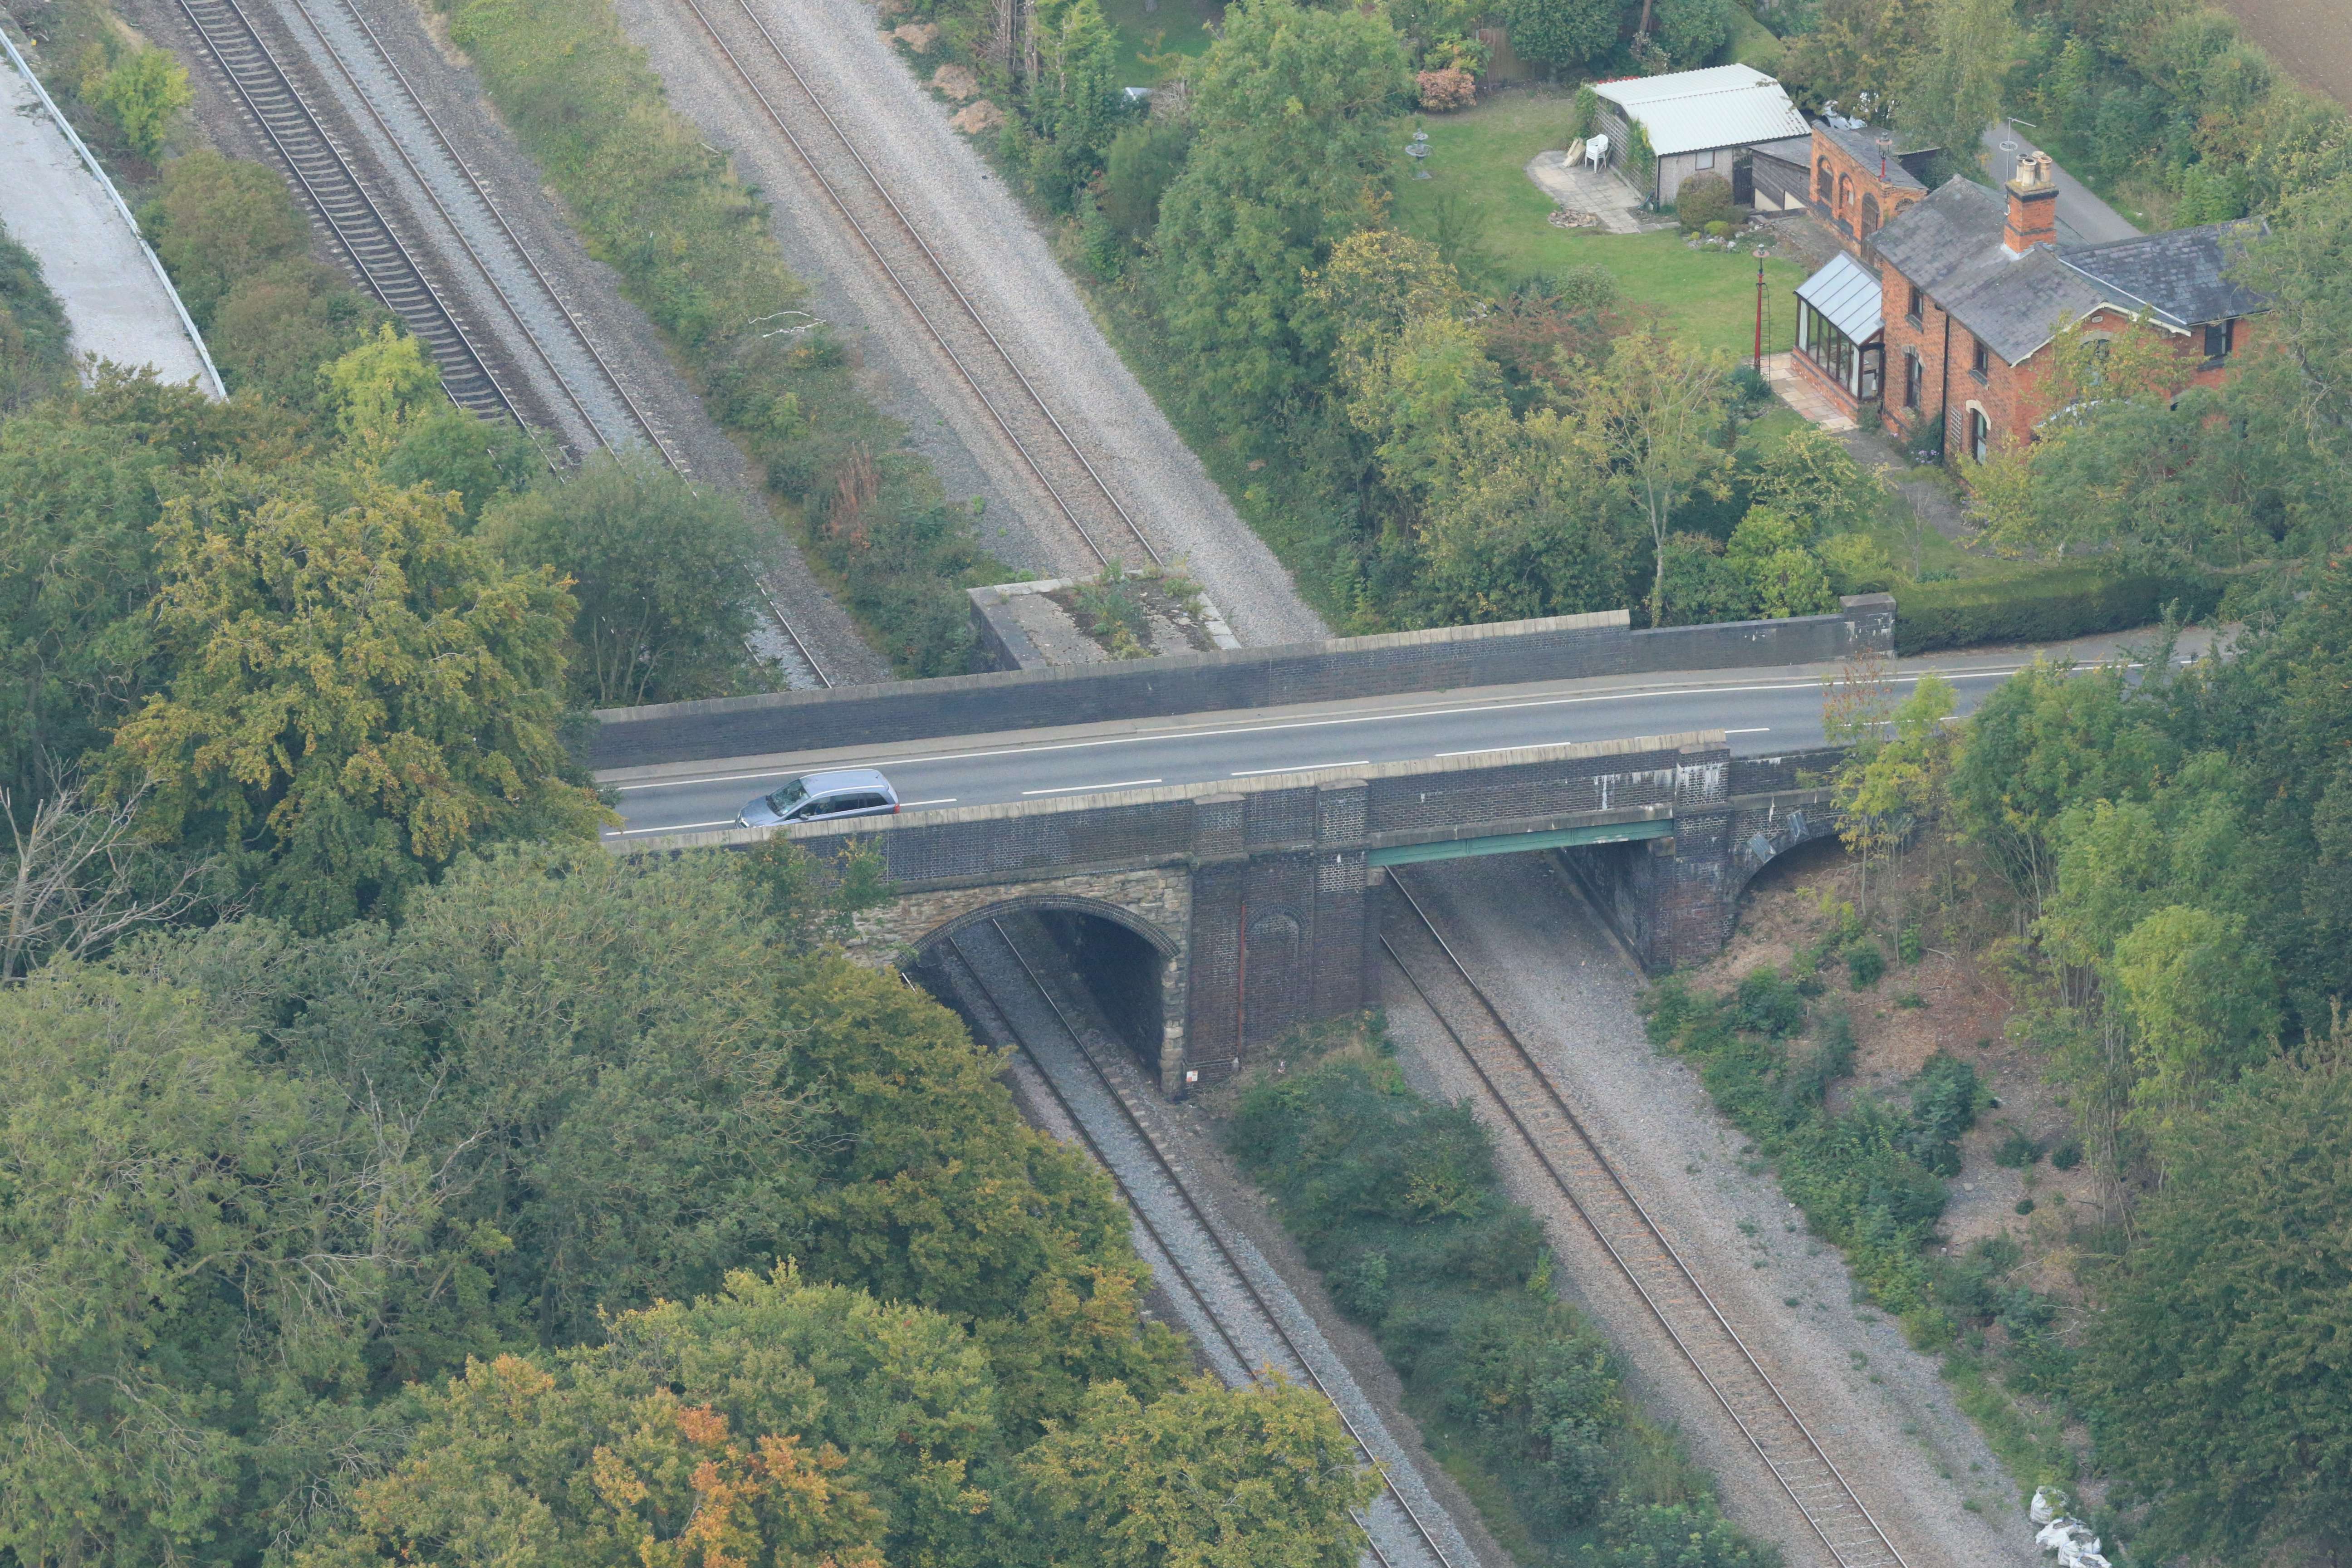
[1561, 648]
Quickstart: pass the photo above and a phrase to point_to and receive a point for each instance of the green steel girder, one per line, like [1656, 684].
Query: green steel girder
[1517, 843]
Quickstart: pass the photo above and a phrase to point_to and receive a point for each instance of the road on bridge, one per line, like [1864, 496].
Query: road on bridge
[1762, 712]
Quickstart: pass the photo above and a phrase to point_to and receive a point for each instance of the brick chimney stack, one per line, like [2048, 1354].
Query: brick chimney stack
[2032, 206]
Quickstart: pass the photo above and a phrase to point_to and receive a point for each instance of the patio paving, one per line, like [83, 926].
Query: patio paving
[1576, 189]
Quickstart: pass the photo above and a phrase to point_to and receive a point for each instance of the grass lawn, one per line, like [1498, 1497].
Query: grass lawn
[1477, 188]
[1177, 25]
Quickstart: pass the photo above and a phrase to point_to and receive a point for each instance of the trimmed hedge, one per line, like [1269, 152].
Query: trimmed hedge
[2048, 604]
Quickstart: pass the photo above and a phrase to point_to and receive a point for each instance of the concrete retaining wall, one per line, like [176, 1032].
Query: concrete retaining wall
[1561, 647]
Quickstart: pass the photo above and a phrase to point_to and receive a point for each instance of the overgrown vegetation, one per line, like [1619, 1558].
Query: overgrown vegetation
[34, 360]
[2154, 864]
[1396, 1200]
[692, 249]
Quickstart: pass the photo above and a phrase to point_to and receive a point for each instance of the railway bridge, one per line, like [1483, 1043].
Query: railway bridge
[1203, 834]
[1210, 919]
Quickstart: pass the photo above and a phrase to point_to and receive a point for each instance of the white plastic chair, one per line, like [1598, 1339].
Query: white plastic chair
[1596, 152]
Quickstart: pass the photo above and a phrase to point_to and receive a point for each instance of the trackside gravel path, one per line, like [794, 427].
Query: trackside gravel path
[1002, 264]
[1878, 1408]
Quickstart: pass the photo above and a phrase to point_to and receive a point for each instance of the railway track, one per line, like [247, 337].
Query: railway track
[1575, 1162]
[1100, 524]
[333, 189]
[1215, 1279]
[398, 277]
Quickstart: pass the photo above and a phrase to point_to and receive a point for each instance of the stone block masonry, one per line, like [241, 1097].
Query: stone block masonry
[1250, 897]
[1560, 647]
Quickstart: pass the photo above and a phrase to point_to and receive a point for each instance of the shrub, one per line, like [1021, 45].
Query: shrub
[1770, 1004]
[142, 95]
[1910, 946]
[1722, 229]
[1704, 199]
[2067, 1155]
[2016, 1152]
[1866, 962]
[1442, 91]
[2047, 604]
[35, 357]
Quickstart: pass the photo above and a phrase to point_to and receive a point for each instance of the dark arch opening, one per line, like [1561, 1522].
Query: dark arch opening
[1104, 966]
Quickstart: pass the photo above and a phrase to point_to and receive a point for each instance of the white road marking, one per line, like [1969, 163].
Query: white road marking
[2002, 672]
[1759, 730]
[1089, 789]
[1303, 768]
[673, 828]
[912, 805]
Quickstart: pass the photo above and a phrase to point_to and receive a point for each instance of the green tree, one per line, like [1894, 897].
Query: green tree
[1858, 53]
[359, 692]
[1563, 34]
[182, 1229]
[1293, 111]
[1660, 403]
[217, 220]
[2203, 1002]
[1787, 579]
[448, 448]
[1952, 90]
[1074, 103]
[1142, 162]
[1693, 31]
[2049, 737]
[142, 95]
[661, 569]
[1896, 779]
[1813, 479]
[379, 388]
[1261, 1478]
[2219, 1396]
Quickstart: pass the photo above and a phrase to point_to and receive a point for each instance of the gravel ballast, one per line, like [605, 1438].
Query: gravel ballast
[1001, 260]
[1877, 1407]
[447, 84]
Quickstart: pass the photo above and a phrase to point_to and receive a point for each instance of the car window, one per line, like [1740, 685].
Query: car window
[784, 799]
[863, 802]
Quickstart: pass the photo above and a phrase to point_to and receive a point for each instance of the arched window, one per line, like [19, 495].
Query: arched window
[1846, 194]
[1979, 435]
[1869, 215]
[1824, 188]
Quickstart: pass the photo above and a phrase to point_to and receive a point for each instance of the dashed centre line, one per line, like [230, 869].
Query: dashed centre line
[1089, 789]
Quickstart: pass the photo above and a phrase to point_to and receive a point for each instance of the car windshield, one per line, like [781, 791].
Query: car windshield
[791, 795]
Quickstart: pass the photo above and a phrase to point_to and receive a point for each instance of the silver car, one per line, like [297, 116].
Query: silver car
[814, 797]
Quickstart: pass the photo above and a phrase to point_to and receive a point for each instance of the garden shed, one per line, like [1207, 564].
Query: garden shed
[1693, 123]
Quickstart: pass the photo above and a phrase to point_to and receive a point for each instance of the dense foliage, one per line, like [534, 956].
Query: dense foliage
[1396, 1200]
[692, 248]
[270, 1192]
[34, 359]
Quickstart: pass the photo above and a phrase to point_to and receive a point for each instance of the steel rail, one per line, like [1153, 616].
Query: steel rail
[1861, 1552]
[874, 249]
[296, 133]
[298, 120]
[547, 285]
[1168, 1171]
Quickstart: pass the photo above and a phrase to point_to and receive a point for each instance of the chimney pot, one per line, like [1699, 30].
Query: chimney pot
[2032, 206]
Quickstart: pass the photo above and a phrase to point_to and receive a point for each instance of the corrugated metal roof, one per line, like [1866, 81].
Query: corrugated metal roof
[1690, 111]
[1848, 295]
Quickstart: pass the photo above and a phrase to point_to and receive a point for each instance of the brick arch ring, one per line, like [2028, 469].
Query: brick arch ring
[1165, 945]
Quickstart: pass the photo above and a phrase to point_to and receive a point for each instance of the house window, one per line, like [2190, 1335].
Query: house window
[1914, 376]
[1980, 359]
[1703, 160]
[1869, 216]
[1917, 301]
[1979, 435]
[2220, 337]
[1822, 184]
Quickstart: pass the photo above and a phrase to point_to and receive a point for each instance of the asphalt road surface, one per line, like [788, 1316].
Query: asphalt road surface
[1762, 712]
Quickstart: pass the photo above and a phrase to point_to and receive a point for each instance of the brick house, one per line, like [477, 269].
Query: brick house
[1934, 318]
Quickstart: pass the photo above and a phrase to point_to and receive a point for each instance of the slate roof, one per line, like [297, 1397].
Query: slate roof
[1863, 145]
[2177, 275]
[1722, 106]
[1950, 245]
[1848, 295]
[1797, 149]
